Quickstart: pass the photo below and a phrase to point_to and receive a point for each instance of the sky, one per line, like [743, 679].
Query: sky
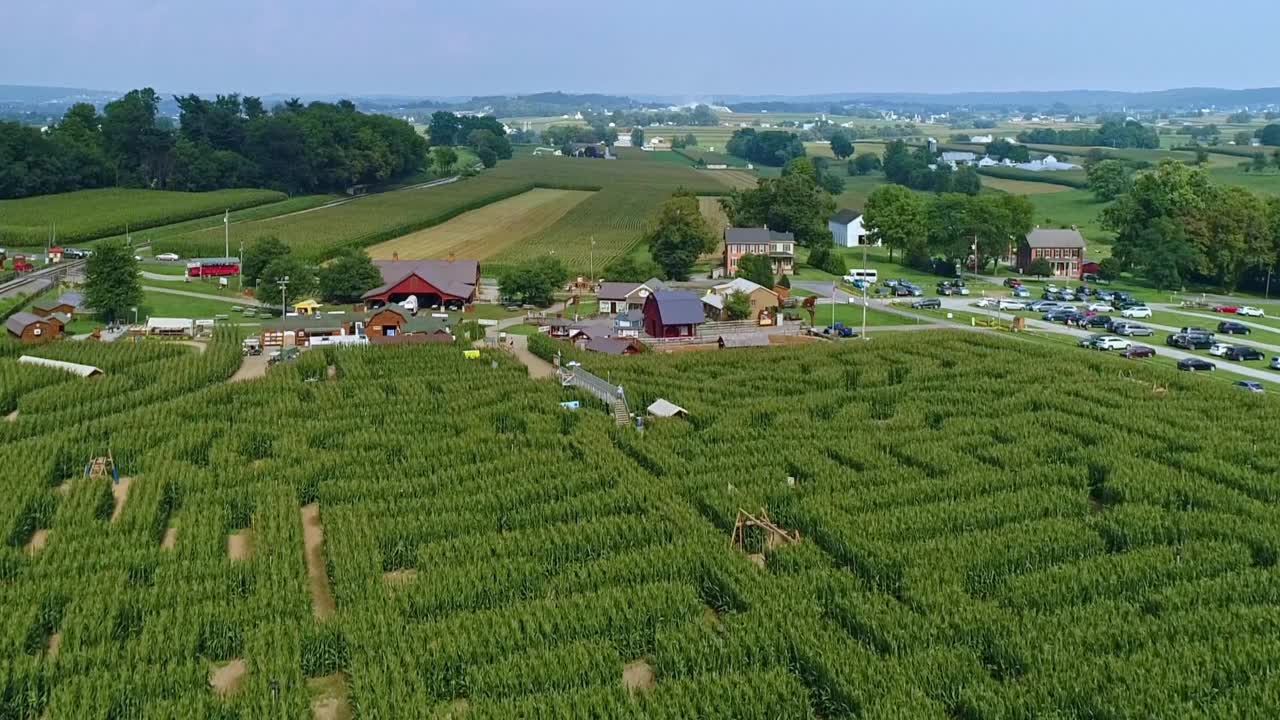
[683, 48]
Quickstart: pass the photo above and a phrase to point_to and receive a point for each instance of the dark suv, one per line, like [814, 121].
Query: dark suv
[1240, 353]
[1229, 327]
[1192, 341]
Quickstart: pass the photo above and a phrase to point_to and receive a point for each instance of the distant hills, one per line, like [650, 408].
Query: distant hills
[36, 101]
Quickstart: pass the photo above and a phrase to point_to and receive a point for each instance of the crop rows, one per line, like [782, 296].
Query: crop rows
[984, 533]
[89, 214]
[629, 191]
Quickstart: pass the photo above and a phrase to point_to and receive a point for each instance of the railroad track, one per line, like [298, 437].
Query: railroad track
[51, 274]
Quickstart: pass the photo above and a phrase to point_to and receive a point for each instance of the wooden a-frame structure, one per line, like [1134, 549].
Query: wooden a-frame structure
[774, 536]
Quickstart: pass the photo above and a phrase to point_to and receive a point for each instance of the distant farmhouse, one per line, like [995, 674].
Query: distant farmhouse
[780, 248]
[847, 228]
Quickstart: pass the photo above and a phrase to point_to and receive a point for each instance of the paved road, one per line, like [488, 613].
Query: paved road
[1247, 322]
[161, 277]
[231, 300]
[1252, 372]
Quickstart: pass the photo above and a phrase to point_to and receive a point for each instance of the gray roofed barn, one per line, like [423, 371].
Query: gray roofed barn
[1049, 238]
[616, 290]
[844, 217]
[673, 313]
[756, 236]
[456, 278]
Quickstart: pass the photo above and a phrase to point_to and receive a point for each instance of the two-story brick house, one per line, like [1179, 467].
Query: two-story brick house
[1063, 249]
[780, 248]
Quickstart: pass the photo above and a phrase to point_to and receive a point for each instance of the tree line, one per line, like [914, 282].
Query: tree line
[924, 228]
[1173, 224]
[229, 141]
[911, 167]
[1112, 133]
[767, 147]
[482, 133]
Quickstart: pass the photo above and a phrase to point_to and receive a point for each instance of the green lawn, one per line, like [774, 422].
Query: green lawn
[167, 305]
[177, 269]
[878, 260]
[851, 316]
[1074, 207]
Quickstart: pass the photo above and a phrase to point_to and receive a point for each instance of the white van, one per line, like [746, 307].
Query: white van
[869, 277]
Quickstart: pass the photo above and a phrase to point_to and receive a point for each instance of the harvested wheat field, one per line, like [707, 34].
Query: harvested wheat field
[483, 233]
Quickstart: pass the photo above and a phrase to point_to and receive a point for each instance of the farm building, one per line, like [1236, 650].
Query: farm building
[1064, 249]
[306, 328]
[618, 297]
[672, 314]
[68, 303]
[171, 327]
[432, 282]
[764, 302]
[665, 408]
[780, 248]
[394, 320]
[628, 324]
[588, 150]
[83, 371]
[614, 346]
[306, 307]
[213, 267]
[847, 228]
[31, 329]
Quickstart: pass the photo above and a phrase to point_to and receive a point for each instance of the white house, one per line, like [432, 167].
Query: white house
[981, 139]
[624, 140]
[847, 228]
[954, 158]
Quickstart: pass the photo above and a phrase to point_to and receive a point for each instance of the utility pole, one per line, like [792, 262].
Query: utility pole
[283, 284]
[833, 303]
[240, 267]
[593, 260]
[226, 233]
[866, 287]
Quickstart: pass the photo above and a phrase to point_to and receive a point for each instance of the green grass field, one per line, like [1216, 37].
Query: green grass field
[1074, 207]
[629, 191]
[90, 214]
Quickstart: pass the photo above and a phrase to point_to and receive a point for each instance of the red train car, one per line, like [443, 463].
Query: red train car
[213, 267]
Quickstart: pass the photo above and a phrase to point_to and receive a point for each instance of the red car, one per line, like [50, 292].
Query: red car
[1225, 309]
[1135, 352]
[1012, 282]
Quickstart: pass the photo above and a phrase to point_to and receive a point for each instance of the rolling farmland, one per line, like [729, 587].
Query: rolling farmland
[1092, 554]
[625, 194]
[486, 232]
[90, 214]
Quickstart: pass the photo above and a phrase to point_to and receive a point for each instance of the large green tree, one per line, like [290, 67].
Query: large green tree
[630, 268]
[793, 203]
[347, 277]
[895, 217]
[756, 268]
[678, 235]
[1168, 197]
[302, 281]
[258, 254]
[841, 145]
[111, 285]
[1237, 236]
[533, 282]
[1108, 179]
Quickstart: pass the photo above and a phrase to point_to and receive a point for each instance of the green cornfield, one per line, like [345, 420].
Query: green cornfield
[629, 191]
[986, 530]
[90, 214]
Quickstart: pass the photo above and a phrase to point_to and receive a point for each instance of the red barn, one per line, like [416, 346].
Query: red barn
[213, 267]
[451, 283]
[672, 313]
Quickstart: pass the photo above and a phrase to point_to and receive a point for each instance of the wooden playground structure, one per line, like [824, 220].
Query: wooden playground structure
[102, 467]
[774, 536]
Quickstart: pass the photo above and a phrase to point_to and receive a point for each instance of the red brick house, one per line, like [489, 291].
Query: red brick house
[1063, 249]
[780, 248]
[673, 313]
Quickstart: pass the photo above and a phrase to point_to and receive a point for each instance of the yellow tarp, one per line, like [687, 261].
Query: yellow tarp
[471, 354]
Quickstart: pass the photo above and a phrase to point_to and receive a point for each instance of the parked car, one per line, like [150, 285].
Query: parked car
[1230, 327]
[1042, 306]
[1111, 342]
[1102, 321]
[1190, 342]
[1005, 304]
[1195, 365]
[945, 289]
[986, 302]
[167, 257]
[1135, 352]
[927, 304]
[1020, 292]
[1100, 307]
[1194, 331]
[1252, 386]
[1220, 349]
[1230, 309]
[1057, 315]
[1243, 353]
[1140, 311]
[1250, 311]
[1275, 363]
[1012, 282]
[1133, 330]
[1089, 341]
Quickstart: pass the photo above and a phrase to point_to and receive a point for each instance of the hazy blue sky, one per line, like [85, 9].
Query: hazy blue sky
[678, 47]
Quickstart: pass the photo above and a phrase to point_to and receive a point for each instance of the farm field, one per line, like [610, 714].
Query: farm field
[629, 190]
[1021, 187]
[733, 179]
[1074, 207]
[946, 564]
[484, 232]
[90, 214]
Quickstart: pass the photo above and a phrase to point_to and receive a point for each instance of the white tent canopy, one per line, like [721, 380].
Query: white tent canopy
[170, 325]
[666, 408]
[74, 368]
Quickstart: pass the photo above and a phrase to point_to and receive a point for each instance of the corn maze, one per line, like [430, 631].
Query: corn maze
[983, 533]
